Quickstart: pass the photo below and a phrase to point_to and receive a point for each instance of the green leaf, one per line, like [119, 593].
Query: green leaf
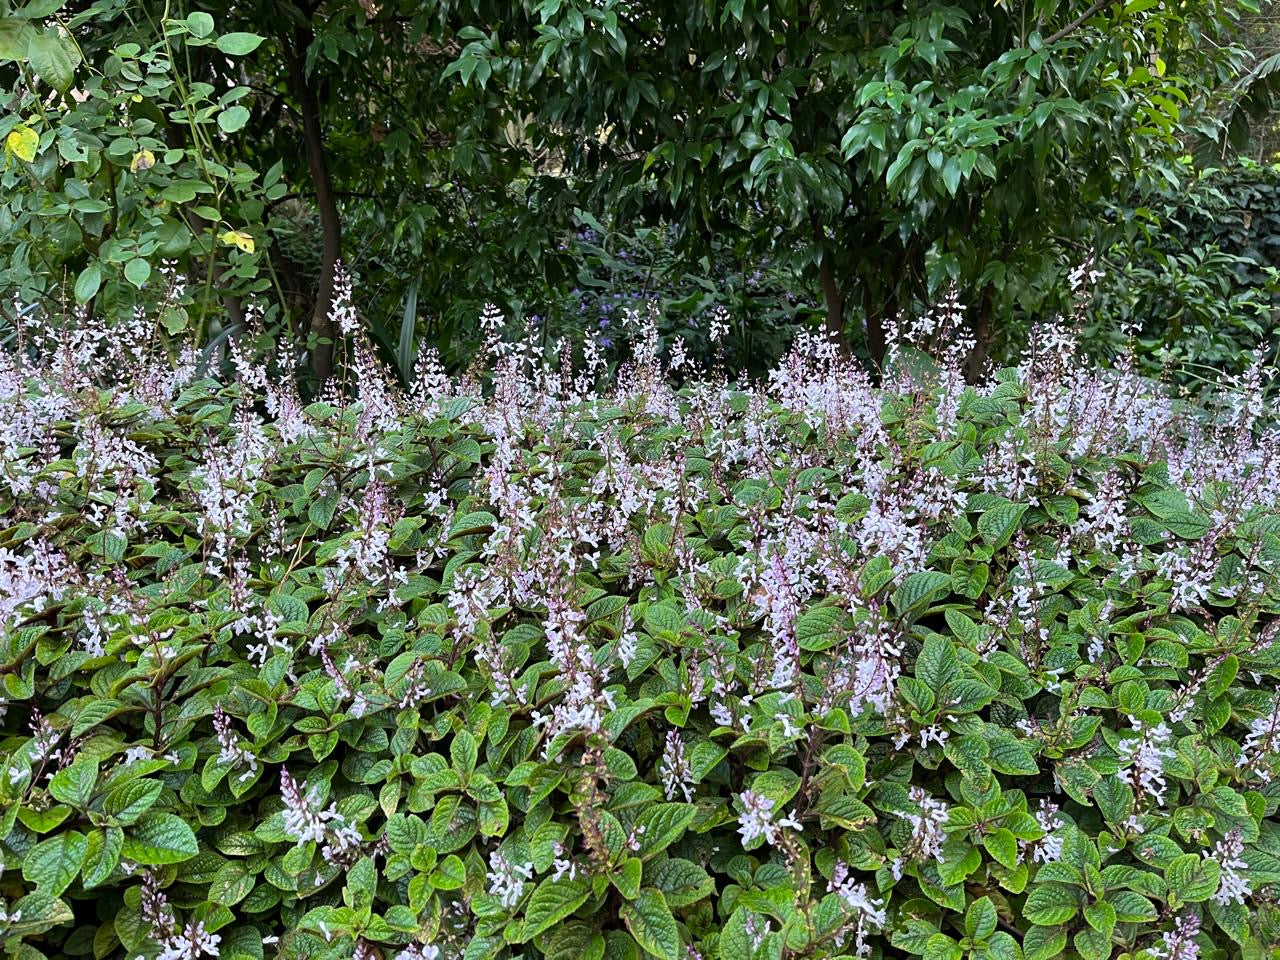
[576, 941]
[969, 579]
[650, 921]
[819, 628]
[94, 713]
[129, 801]
[951, 175]
[54, 59]
[233, 118]
[1232, 919]
[450, 873]
[682, 882]
[1221, 677]
[663, 620]
[321, 509]
[1192, 878]
[15, 34]
[998, 524]
[551, 902]
[42, 821]
[200, 24]
[656, 542]
[137, 271]
[1050, 904]
[1002, 946]
[937, 663]
[39, 911]
[919, 589]
[1185, 524]
[1115, 798]
[477, 522]
[405, 354]
[941, 947]
[1092, 944]
[74, 784]
[494, 818]
[980, 919]
[964, 629]
[88, 282]
[957, 866]
[238, 44]
[1003, 847]
[102, 854]
[1101, 916]
[160, 838]
[1043, 943]
[39, 9]
[1009, 756]
[1131, 907]
[232, 883]
[183, 191]
[850, 763]
[627, 877]
[53, 864]
[463, 752]
[663, 824]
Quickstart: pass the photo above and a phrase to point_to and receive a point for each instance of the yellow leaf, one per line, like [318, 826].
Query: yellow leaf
[238, 239]
[23, 142]
[142, 160]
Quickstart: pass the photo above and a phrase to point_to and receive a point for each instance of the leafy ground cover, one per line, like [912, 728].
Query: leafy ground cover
[521, 664]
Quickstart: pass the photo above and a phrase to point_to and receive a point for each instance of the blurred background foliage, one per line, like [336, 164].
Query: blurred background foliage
[1197, 276]
[774, 164]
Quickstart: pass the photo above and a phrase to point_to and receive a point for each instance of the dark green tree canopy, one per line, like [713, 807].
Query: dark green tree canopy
[900, 145]
[879, 152]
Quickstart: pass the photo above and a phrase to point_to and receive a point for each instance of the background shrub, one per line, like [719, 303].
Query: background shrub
[759, 302]
[868, 156]
[1195, 276]
[516, 666]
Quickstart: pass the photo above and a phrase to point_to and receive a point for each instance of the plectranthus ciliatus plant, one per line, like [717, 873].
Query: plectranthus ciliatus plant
[554, 660]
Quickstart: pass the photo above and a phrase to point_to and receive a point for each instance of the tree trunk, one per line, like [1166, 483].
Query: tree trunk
[875, 324]
[983, 336]
[833, 325]
[304, 88]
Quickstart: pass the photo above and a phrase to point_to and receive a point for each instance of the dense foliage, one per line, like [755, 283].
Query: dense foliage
[758, 306]
[899, 147]
[448, 152]
[118, 165]
[1195, 275]
[517, 666]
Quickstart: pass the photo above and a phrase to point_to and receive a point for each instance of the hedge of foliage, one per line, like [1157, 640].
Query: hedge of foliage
[1198, 279]
[519, 666]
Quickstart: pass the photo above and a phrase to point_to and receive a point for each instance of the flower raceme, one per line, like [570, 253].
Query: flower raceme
[530, 662]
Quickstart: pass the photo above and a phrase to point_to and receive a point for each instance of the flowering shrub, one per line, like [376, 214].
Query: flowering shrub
[526, 666]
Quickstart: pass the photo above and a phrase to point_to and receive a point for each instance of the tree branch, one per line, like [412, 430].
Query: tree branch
[1078, 22]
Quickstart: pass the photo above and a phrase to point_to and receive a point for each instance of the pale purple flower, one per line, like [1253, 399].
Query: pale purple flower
[507, 879]
[927, 825]
[1142, 756]
[306, 822]
[1180, 942]
[1232, 887]
[674, 768]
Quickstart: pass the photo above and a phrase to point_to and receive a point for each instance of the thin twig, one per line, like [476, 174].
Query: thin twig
[1075, 24]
